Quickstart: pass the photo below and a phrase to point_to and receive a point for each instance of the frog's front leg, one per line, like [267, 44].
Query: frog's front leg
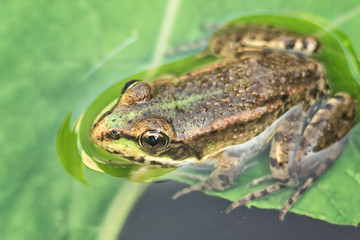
[226, 171]
[228, 164]
[305, 147]
[234, 160]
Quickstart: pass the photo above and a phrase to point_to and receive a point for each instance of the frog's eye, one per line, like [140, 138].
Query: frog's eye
[114, 134]
[153, 141]
[136, 91]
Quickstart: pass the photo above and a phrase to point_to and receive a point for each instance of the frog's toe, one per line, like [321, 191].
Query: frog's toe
[252, 196]
[282, 215]
[260, 180]
[209, 184]
[197, 187]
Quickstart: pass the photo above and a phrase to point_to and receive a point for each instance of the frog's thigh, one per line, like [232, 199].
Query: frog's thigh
[322, 142]
[299, 137]
[231, 41]
[331, 123]
[284, 144]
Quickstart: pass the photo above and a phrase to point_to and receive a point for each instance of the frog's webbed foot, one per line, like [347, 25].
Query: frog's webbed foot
[188, 47]
[219, 180]
[327, 157]
[296, 195]
[197, 187]
[201, 185]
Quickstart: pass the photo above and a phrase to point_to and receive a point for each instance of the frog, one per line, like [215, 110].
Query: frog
[266, 87]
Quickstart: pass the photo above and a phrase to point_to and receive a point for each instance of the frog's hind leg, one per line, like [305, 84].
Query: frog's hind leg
[325, 159]
[219, 180]
[306, 185]
[235, 39]
[324, 135]
[285, 140]
[305, 146]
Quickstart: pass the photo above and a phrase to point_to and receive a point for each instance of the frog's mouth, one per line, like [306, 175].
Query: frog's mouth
[134, 155]
[175, 156]
[128, 148]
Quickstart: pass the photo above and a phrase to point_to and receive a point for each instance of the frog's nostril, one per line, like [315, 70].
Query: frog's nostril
[114, 134]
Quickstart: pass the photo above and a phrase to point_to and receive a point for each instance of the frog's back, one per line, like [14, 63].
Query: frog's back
[238, 91]
[235, 98]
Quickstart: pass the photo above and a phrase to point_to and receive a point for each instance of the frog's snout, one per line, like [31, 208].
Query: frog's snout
[96, 134]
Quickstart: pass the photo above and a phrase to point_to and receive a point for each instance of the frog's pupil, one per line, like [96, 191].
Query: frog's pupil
[152, 140]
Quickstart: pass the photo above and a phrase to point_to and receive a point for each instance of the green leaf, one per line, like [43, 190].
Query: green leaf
[60, 55]
[68, 153]
[342, 71]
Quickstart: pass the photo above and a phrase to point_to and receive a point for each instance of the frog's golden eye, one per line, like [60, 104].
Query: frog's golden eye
[153, 141]
[136, 91]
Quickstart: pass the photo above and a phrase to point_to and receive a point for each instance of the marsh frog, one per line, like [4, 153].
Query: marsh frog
[266, 86]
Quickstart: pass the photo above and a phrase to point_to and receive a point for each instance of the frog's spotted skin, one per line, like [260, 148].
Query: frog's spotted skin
[265, 87]
[241, 91]
[231, 41]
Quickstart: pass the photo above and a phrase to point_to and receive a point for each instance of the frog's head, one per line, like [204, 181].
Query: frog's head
[134, 130]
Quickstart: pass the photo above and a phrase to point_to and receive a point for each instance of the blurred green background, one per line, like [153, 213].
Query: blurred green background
[56, 57]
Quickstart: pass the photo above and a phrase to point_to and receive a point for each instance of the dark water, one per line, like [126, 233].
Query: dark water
[198, 216]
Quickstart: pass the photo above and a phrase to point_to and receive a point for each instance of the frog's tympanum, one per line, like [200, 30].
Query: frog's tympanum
[267, 86]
